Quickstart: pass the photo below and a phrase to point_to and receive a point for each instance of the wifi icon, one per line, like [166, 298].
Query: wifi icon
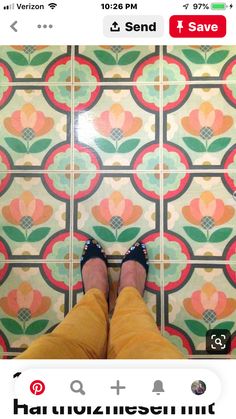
[52, 5]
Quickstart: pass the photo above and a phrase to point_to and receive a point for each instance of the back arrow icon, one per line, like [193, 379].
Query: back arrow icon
[13, 26]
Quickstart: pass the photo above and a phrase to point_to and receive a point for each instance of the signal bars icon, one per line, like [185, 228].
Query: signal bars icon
[9, 7]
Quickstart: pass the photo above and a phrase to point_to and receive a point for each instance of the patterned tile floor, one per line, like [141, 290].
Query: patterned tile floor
[118, 142]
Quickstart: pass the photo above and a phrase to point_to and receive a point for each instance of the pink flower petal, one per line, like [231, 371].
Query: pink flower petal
[195, 209]
[219, 209]
[117, 208]
[128, 122]
[24, 300]
[128, 210]
[40, 122]
[105, 209]
[12, 301]
[117, 117]
[102, 124]
[16, 209]
[209, 302]
[196, 302]
[209, 119]
[222, 302]
[36, 302]
[218, 122]
[16, 121]
[194, 120]
[37, 210]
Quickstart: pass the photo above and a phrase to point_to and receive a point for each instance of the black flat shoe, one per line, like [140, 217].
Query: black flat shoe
[92, 250]
[138, 253]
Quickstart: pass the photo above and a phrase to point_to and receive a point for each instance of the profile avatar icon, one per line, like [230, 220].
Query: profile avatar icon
[198, 387]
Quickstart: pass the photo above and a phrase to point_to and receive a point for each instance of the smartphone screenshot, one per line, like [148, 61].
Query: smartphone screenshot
[117, 209]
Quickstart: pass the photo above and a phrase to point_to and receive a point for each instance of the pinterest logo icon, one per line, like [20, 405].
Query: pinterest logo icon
[37, 387]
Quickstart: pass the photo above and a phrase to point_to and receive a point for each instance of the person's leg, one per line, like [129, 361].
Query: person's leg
[83, 332]
[133, 331]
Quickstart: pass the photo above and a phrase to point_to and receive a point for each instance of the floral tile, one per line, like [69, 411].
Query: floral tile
[202, 61]
[116, 62]
[28, 62]
[31, 128]
[117, 129]
[39, 304]
[200, 219]
[199, 132]
[200, 298]
[154, 76]
[146, 84]
[172, 182]
[119, 210]
[123, 179]
[32, 226]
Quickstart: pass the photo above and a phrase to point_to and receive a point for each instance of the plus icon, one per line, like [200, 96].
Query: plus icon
[118, 387]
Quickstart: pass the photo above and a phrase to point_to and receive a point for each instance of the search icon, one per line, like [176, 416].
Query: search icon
[218, 341]
[77, 387]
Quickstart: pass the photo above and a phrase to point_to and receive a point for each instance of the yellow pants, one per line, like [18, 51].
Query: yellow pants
[85, 334]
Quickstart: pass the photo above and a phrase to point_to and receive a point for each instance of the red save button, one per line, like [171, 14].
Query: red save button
[192, 26]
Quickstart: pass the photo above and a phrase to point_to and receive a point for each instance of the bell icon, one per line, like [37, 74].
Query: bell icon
[158, 387]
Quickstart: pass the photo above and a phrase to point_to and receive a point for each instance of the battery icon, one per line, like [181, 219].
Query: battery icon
[218, 6]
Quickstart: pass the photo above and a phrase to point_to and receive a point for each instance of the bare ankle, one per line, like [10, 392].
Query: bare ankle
[95, 276]
[132, 275]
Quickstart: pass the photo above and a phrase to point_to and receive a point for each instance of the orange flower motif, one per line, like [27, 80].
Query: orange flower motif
[207, 121]
[28, 123]
[207, 211]
[25, 302]
[27, 211]
[116, 211]
[117, 123]
[209, 304]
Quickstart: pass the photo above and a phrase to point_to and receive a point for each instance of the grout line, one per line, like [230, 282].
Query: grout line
[152, 261]
[182, 262]
[72, 64]
[161, 141]
[34, 261]
[201, 82]
[161, 149]
[115, 171]
[114, 83]
[71, 285]
[197, 262]
[162, 299]
[72, 188]
[24, 85]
